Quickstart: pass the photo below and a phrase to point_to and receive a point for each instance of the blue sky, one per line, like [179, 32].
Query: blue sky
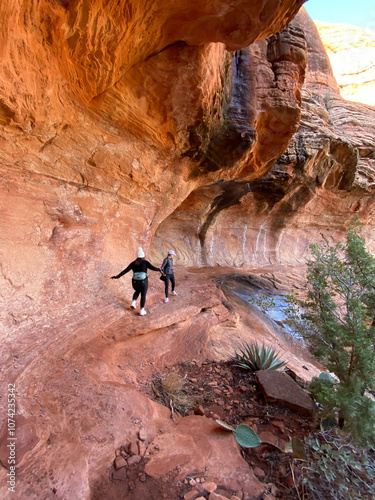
[355, 12]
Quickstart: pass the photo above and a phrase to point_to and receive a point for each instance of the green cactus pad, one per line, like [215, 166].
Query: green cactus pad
[246, 437]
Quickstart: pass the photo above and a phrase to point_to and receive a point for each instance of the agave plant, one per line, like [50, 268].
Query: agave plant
[255, 356]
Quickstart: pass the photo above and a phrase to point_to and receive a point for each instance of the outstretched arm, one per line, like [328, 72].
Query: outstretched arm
[122, 272]
[153, 268]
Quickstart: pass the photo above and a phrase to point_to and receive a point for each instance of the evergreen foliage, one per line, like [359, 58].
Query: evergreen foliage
[337, 320]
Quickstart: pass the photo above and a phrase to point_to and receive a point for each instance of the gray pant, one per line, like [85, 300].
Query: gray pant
[166, 283]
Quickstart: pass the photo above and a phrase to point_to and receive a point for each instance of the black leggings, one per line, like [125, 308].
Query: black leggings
[140, 287]
[167, 278]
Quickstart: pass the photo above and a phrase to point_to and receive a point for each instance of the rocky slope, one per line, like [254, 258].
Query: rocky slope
[214, 128]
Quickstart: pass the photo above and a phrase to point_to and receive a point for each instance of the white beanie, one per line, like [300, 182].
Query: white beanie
[141, 253]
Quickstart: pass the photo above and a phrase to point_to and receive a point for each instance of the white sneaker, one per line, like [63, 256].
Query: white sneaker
[174, 293]
[133, 306]
[166, 300]
[142, 312]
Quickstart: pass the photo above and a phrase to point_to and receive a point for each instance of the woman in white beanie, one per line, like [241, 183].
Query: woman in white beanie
[167, 270]
[140, 281]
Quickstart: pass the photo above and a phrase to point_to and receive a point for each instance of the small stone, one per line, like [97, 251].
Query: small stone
[243, 388]
[120, 462]
[142, 477]
[259, 472]
[269, 497]
[131, 485]
[141, 448]
[201, 389]
[133, 448]
[193, 380]
[279, 425]
[135, 459]
[142, 434]
[228, 407]
[216, 416]
[210, 487]
[273, 489]
[220, 402]
[118, 452]
[120, 475]
[212, 384]
[192, 495]
[199, 410]
[216, 496]
[268, 437]
[282, 472]
[228, 387]
[236, 402]
[192, 482]
[217, 392]
[239, 494]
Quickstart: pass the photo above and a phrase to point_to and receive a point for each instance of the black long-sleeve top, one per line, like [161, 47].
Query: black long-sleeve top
[140, 267]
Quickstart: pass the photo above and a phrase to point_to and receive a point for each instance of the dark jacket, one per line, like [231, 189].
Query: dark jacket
[167, 266]
[137, 267]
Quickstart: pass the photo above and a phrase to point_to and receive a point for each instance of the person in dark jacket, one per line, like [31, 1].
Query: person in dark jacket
[167, 270]
[139, 280]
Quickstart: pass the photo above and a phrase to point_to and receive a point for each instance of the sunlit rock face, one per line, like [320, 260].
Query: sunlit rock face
[213, 128]
[351, 51]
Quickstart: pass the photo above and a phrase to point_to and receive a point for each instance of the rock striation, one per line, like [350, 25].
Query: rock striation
[324, 178]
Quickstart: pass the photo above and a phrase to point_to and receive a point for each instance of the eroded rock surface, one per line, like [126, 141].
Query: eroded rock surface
[322, 180]
[81, 385]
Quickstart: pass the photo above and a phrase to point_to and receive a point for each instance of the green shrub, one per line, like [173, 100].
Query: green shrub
[264, 302]
[337, 320]
[255, 356]
[327, 103]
